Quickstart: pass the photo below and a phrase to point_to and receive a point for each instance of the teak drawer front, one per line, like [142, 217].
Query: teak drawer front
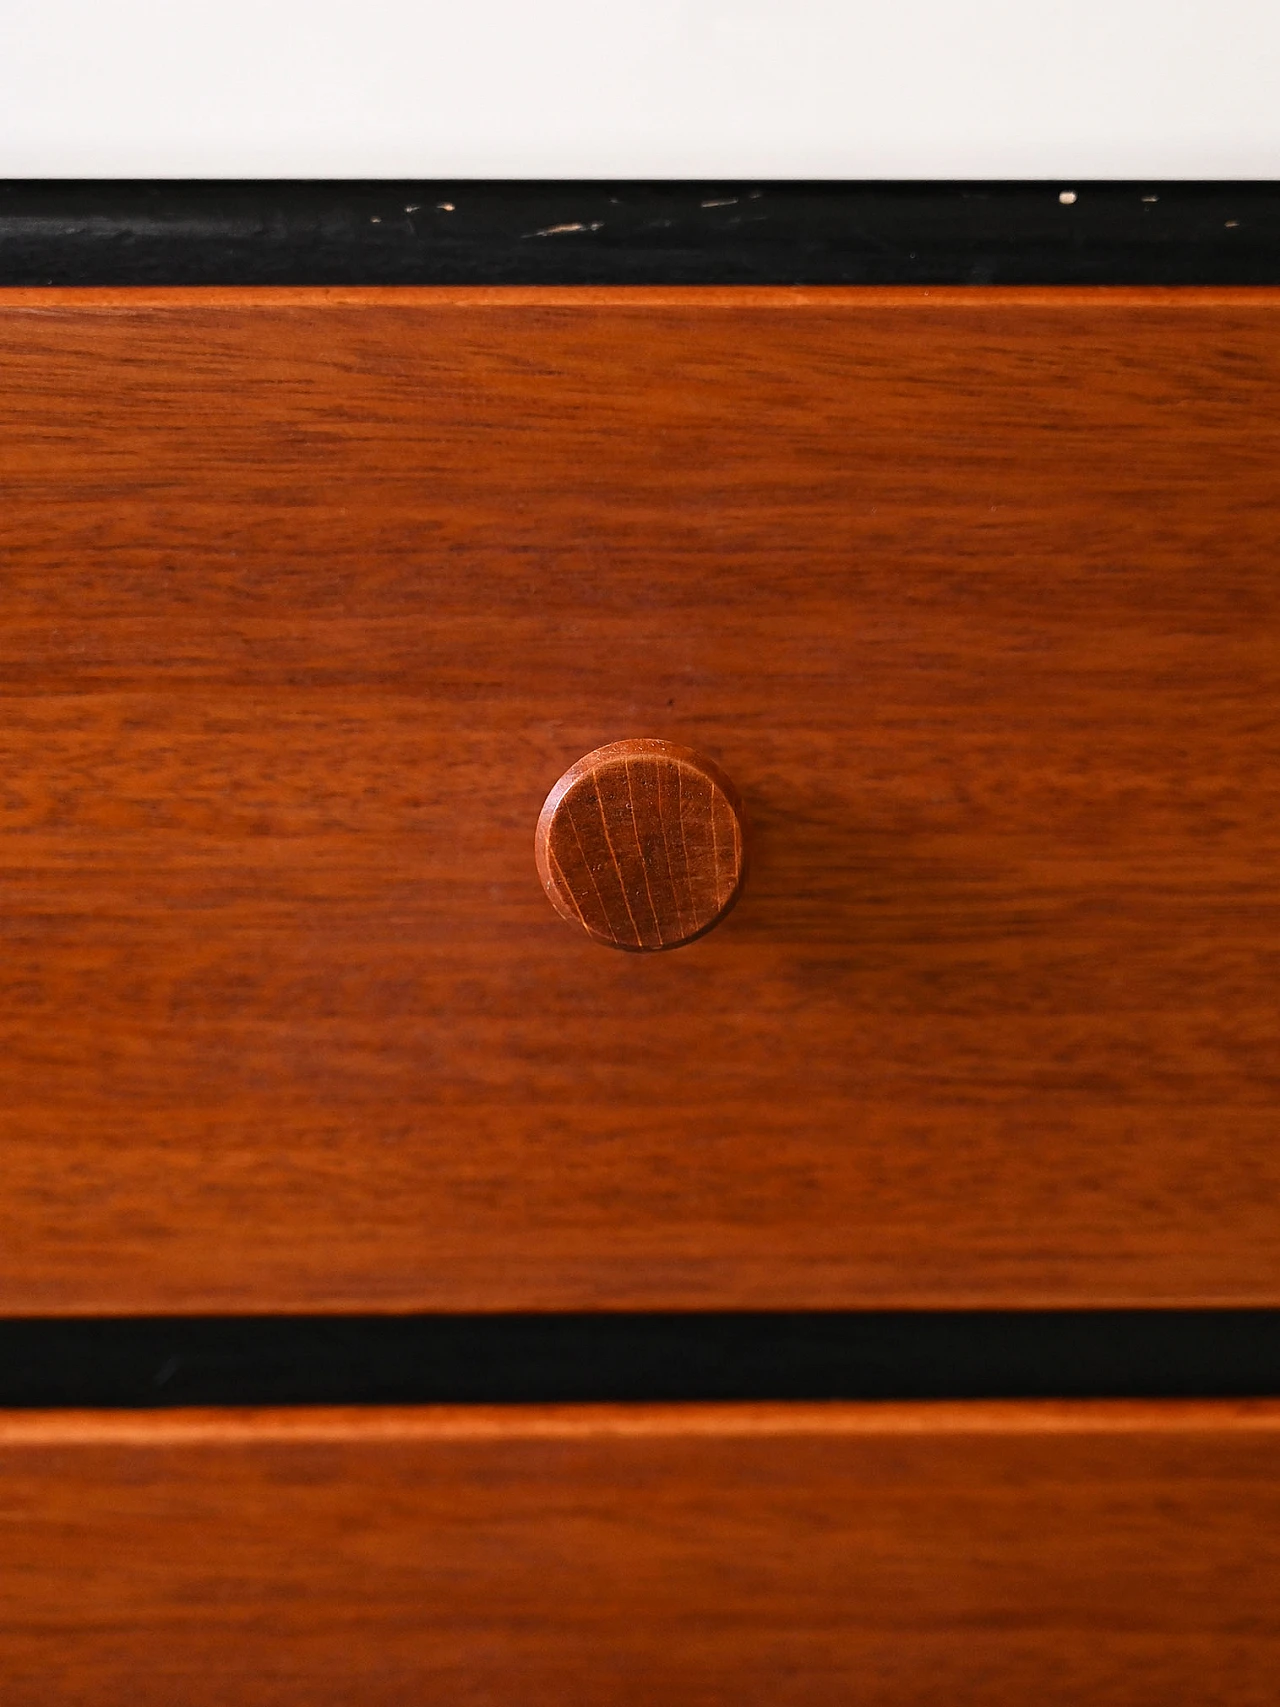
[898, 1555]
[310, 596]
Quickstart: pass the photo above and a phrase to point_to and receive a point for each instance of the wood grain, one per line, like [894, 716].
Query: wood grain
[308, 599]
[641, 844]
[791, 1556]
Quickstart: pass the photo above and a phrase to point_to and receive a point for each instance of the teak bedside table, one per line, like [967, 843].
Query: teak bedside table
[908, 654]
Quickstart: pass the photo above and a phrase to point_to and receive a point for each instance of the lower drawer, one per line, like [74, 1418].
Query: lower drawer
[884, 1554]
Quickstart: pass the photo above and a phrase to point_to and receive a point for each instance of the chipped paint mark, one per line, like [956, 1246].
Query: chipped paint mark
[1151, 198]
[555, 230]
[445, 207]
[729, 201]
[375, 219]
[1232, 224]
[1068, 198]
[413, 207]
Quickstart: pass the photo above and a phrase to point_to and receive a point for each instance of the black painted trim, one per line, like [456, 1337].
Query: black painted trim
[358, 1360]
[55, 232]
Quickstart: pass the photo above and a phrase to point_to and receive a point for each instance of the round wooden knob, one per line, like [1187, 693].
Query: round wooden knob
[641, 844]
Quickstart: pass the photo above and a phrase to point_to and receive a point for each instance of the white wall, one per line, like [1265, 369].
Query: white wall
[654, 88]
